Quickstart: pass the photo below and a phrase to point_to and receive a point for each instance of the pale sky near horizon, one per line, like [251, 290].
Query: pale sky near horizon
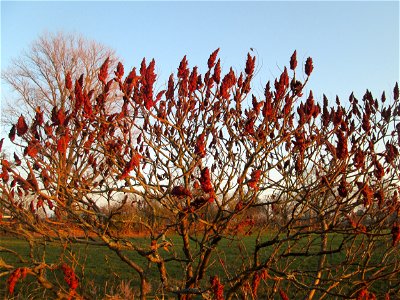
[354, 45]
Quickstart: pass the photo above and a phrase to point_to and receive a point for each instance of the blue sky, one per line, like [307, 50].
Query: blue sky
[354, 45]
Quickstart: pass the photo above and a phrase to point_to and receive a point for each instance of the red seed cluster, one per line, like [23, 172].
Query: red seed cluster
[368, 195]
[293, 60]
[133, 163]
[120, 70]
[391, 153]
[69, 276]
[395, 234]
[180, 192]
[250, 64]
[341, 149]
[364, 294]
[217, 288]
[200, 148]
[68, 81]
[228, 81]
[255, 283]
[148, 77]
[342, 189]
[205, 181]
[217, 72]
[283, 295]
[22, 127]
[309, 66]
[254, 179]
[211, 60]
[17, 274]
[103, 74]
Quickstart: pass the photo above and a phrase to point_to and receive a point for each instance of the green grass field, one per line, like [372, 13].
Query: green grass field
[101, 272]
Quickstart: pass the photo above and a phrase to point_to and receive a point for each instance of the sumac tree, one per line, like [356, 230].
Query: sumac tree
[313, 186]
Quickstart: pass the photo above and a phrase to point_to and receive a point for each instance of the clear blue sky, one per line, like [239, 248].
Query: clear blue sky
[354, 45]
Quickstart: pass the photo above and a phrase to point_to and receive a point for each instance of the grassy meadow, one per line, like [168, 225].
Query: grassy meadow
[102, 274]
